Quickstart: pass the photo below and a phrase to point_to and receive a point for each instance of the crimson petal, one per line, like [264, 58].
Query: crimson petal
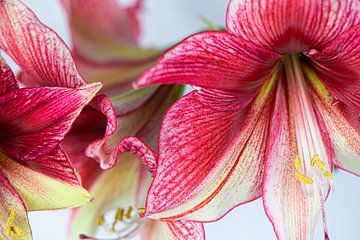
[215, 60]
[210, 160]
[35, 120]
[338, 67]
[291, 26]
[7, 78]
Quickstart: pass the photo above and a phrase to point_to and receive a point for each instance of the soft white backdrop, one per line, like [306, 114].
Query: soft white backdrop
[165, 22]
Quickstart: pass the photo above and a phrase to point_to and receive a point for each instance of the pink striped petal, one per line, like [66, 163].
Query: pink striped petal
[342, 125]
[41, 118]
[338, 66]
[7, 78]
[213, 60]
[105, 150]
[42, 55]
[49, 182]
[291, 26]
[186, 230]
[210, 159]
[37, 49]
[142, 152]
[14, 223]
[293, 213]
[178, 230]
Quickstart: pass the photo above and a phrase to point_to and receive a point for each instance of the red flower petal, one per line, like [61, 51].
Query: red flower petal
[338, 67]
[7, 78]
[142, 152]
[42, 55]
[37, 49]
[213, 60]
[186, 230]
[105, 150]
[210, 160]
[35, 120]
[291, 26]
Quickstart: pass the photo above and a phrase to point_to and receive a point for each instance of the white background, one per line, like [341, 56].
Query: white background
[165, 22]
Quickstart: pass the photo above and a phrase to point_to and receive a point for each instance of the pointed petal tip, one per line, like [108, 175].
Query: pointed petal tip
[93, 88]
[139, 83]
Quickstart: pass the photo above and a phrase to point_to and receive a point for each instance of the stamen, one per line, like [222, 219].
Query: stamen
[100, 221]
[328, 175]
[129, 212]
[315, 160]
[121, 222]
[303, 179]
[119, 215]
[297, 163]
[10, 229]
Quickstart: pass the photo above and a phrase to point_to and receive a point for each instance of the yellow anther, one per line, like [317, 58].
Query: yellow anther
[100, 221]
[128, 212]
[119, 215]
[10, 229]
[303, 179]
[141, 210]
[297, 163]
[328, 175]
[315, 160]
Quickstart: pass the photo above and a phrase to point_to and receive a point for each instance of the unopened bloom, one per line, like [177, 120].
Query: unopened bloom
[105, 48]
[276, 106]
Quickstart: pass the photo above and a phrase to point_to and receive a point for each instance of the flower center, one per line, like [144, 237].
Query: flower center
[311, 162]
[121, 223]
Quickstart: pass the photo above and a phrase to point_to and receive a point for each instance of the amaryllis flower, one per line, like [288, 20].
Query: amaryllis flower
[106, 49]
[35, 174]
[276, 106]
[45, 60]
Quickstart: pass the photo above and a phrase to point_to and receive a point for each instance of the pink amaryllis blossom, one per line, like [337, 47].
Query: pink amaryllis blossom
[35, 173]
[276, 106]
[46, 61]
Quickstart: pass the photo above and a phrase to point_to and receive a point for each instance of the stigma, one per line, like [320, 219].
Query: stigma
[312, 168]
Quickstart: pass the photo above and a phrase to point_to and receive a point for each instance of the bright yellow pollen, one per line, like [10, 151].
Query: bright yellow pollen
[10, 229]
[297, 163]
[328, 175]
[303, 179]
[316, 161]
[141, 211]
